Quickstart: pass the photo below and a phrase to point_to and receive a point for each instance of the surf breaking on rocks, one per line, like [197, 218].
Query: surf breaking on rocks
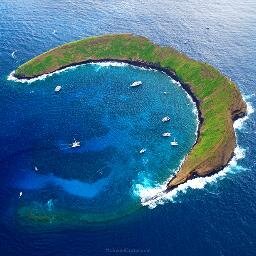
[152, 195]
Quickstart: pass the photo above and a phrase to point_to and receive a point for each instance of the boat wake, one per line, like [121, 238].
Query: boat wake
[152, 195]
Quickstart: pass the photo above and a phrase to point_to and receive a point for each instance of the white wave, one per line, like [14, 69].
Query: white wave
[238, 124]
[109, 64]
[100, 64]
[153, 195]
[195, 112]
[146, 68]
[248, 97]
[13, 54]
[106, 64]
[11, 76]
[176, 82]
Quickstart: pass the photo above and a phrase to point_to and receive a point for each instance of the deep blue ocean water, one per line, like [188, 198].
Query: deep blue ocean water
[104, 180]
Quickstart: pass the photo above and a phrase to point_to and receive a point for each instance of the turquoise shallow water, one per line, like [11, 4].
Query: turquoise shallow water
[217, 218]
[113, 122]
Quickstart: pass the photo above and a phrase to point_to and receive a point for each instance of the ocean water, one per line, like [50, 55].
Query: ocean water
[92, 200]
[99, 180]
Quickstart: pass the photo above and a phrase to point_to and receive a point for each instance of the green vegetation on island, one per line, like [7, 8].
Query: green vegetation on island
[218, 100]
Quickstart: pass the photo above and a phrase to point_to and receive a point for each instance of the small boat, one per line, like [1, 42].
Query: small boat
[75, 144]
[143, 151]
[57, 88]
[166, 119]
[36, 168]
[165, 93]
[166, 134]
[174, 143]
[136, 83]
[20, 194]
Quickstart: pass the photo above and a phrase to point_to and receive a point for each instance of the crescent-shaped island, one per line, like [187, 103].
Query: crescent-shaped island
[217, 98]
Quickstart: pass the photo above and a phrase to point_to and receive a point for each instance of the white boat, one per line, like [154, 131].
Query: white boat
[20, 194]
[36, 168]
[143, 151]
[166, 134]
[136, 83]
[165, 93]
[174, 143]
[57, 88]
[75, 144]
[166, 119]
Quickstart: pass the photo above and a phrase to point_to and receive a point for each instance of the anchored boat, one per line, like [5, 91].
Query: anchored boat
[143, 151]
[166, 119]
[75, 144]
[174, 143]
[136, 83]
[57, 88]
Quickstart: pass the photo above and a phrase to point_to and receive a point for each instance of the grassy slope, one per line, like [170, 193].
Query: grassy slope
[218, 96]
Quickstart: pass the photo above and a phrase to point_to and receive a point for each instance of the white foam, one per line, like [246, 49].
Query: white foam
[109, 64]
[195, 112]
[238, 124]
[100, 64]
[248, 97]
[176, 82]
[11, 76]
[153, 195]
[13, 54]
